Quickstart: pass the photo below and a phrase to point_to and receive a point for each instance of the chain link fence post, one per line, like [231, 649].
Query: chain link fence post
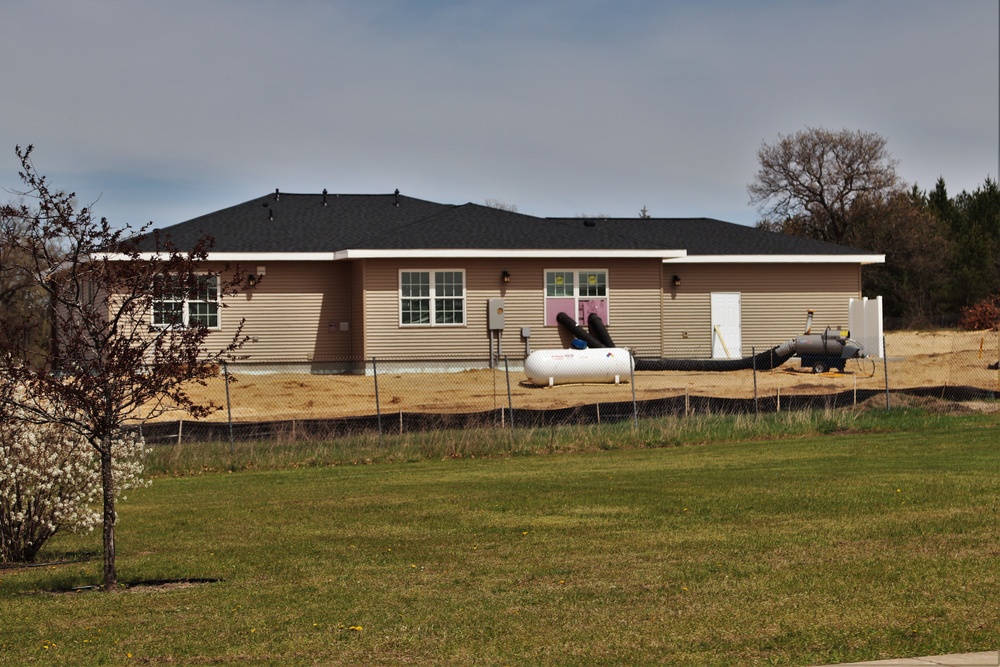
[378, 407]
[998, 358]
[885, 366]
[510, 400]
[229, 407]
[631, 377]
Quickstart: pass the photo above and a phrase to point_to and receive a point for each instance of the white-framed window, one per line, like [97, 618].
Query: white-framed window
[576, 292]
[432, 298]
[174, 306]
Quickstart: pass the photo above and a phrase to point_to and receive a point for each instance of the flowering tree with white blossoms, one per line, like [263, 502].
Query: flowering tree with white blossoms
[107, 362]
[50, 480]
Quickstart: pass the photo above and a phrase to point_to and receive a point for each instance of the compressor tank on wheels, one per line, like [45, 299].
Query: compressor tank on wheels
[830, 349]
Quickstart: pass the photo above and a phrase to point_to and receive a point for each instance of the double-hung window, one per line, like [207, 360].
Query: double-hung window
[432, 298]
[576, 292]
[173, 305]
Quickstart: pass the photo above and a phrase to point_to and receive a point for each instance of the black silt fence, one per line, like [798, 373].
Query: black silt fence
[167, 433]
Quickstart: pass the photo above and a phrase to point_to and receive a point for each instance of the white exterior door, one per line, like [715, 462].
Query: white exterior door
[726, 333]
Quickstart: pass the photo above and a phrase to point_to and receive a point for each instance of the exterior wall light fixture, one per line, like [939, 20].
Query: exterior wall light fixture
[253, 279]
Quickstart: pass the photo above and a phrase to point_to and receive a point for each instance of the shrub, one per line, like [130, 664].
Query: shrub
[50, 480]
[982, 315]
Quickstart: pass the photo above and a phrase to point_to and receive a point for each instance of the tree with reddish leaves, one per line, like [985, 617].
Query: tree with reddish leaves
[115, 354]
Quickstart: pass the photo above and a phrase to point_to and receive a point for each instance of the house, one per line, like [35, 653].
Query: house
[343, 278]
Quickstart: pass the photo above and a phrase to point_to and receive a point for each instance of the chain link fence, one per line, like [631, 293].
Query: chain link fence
[322, 399]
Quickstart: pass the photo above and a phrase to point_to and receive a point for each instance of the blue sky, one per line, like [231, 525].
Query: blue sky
[161, 111]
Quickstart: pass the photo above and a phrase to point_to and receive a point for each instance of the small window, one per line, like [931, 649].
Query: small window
[559, 283]
[415, 297]
[172, 307]
[432, 298]
[578, 293]
[593, 283]
[168, 302]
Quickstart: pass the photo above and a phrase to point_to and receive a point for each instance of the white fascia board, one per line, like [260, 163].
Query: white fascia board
[778, 259]
[272, 256]
[474, 253]
[470, 253]
[242, 256]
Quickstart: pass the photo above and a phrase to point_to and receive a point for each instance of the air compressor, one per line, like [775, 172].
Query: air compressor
[823, 351]
[830, 349]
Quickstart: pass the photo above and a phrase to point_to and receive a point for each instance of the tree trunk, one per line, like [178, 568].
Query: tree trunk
[108, 487]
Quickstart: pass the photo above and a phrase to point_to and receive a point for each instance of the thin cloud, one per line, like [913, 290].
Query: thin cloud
[170, 110]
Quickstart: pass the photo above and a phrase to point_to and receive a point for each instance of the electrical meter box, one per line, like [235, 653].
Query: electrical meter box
[495, 317]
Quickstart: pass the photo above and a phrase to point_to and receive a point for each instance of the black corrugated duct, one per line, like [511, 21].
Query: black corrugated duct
[598, 337]
[598, 330]
[578, 331]
[764, 361]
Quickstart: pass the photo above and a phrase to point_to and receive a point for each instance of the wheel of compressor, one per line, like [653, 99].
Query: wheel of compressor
[820, 367]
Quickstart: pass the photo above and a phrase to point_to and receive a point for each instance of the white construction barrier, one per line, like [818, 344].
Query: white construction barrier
[865, 323]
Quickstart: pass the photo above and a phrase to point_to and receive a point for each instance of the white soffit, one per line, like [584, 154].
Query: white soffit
[509, 254]
[243, 256]
[778, 259]
[667, 256]
[423, 254]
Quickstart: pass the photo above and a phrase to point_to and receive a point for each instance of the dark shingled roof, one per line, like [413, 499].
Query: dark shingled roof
[293, 223]
[707, 236]
[299, 223]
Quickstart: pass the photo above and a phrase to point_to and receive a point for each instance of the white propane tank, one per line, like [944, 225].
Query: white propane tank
[600, 364]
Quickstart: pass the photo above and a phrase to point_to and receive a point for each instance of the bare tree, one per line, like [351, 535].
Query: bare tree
[809, 182]
[22, 304]
[501, 205]
[122, 351]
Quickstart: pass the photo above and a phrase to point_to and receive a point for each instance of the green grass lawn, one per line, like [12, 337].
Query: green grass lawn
[794, 551]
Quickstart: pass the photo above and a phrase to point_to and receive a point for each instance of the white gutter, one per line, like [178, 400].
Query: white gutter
[667, 256]
[778, 259]
[237, 256]
[509, 254]
[419, 254]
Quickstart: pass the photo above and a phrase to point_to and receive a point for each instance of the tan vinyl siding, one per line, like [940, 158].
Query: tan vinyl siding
[634, 310]
[633, 292]
[774, 301]
[357, 307]
[294, 313]
[385, 337]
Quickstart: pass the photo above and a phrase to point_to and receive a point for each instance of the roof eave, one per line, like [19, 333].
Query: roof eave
[420, 253]
[777, 259]
[666, 256]
[508, 253]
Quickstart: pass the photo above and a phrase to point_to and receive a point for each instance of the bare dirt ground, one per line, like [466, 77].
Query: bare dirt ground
[913, 359]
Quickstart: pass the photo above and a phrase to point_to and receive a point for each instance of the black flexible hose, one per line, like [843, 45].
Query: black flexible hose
[578, 331]
[764, 361]
[598, 330]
